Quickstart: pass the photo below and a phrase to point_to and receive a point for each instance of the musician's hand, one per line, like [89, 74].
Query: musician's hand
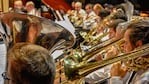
[112, 52]
[117, 70]
[98, 19]
[98, 58]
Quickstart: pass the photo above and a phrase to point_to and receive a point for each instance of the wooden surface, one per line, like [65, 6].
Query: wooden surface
[57, 4]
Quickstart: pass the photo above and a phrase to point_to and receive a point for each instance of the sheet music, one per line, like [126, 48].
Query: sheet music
[2, 60]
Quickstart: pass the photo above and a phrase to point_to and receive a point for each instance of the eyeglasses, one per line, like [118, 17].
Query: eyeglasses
[5, 76]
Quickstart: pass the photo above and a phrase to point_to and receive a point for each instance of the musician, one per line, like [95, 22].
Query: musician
[97, 9]
[90, 19]
[112, 25]
[118, 14]
[78, 8]
[103, 14]
[111, 52]
[71, 11]
[135, 72]
[30, 64]
[77, 17]
[30, 8]
[17, 7]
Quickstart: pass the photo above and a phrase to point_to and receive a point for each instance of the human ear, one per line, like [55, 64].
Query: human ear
[139, 43]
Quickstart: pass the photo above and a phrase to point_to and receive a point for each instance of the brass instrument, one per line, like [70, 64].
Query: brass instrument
[76, 19]
[41, 31]
[80, 58]
[102, 46]
[76, 57]
[16, 28]
[75, 70]
[84, 57]
[92, 37]
[80, 53]
[92, 40]
[88, 35]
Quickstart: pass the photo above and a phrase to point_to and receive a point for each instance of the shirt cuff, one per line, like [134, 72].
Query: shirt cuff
[115, 80]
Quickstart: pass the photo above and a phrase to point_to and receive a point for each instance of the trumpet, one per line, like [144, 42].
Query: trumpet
[74, 70]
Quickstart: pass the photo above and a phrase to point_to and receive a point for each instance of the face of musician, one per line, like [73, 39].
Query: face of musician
[136, 35]
[73, 5]
[78, 6]
[111, 32]
[97, 8]
[113, 26]
[128, 45]
[18, 4]
[88, 8]
[29, 6]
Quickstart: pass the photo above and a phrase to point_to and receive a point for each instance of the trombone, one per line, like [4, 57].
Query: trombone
[102, 46]
[74, 70]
